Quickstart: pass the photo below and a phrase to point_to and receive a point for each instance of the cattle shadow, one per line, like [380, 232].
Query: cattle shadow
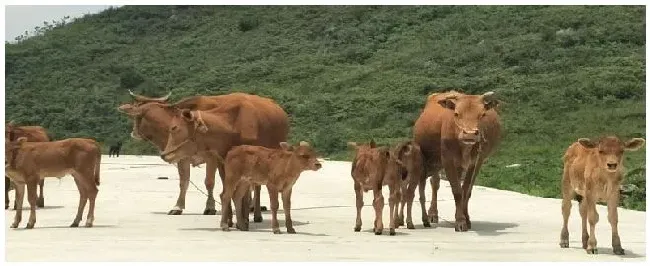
[482, 228]
[609, 251]
[184, 213]
[264, 227]
[398, 231]
[47, 207]
[81, 227]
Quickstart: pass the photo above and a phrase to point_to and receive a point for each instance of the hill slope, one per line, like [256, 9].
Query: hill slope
[352, 73]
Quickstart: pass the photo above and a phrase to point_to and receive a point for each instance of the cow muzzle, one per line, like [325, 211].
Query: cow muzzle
[468, 137]
[612, 167]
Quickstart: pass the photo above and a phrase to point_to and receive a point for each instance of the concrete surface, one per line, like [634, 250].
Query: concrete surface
[131, 225]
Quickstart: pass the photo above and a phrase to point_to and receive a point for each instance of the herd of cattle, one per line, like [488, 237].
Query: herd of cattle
[244, 137]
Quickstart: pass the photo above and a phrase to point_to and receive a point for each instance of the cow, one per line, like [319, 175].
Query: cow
[457, 132]
[372, 168]
[114, 150]
[153, 120]
[29, 162]
[594, 171]
[409, 157]
[278, 169]
[32, 133]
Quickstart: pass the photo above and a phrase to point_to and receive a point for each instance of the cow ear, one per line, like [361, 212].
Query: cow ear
[21, 140]
[352, 145]
[386, 154]
[449, 103]
[489, 100]
[285, 146]
[129, 109]
[587, 143]
[373, 144]
[187, 115]
[634, 144]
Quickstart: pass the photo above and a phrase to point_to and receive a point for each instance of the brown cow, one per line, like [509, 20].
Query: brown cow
[457, 132]
[30, 162]
[372, 168]
[32, 133]
[153, 119]
[410, 158]
[278, 169]
[594, 170]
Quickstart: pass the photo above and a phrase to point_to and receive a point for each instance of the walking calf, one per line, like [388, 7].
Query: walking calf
[374, 167]
[594, 170]
[30, 162]
[409, 157]
[278, 169]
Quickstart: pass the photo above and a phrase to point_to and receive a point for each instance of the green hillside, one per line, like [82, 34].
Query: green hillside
[353, 73]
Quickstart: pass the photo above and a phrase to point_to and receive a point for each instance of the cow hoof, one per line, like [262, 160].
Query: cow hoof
[263, 208]
[29, 226]
[433, 219]
[461, 227]
[6, 206]
[619, 251]
[89, 225]
[230, 224]
[225, 229]
[564, 243]
[426, 223]
[14, 225]
[257, 219]
[210, 212]
[175, 212]
[411, 226]
[276, 231]
[592, 251]
[40, 203]
[399, 222]
[391, 232]
[74, 224]
[291, 230]
[357, 228]
[378, 232]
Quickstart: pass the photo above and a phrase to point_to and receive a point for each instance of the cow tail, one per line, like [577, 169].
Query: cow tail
[97, 164]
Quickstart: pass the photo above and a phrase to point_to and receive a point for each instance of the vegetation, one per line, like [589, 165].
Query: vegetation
[353, 73]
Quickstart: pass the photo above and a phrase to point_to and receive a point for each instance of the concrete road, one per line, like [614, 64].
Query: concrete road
[131, 224]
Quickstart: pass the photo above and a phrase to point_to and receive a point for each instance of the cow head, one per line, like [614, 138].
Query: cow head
[369, 159]
[469, 110]
[150, 121]
[609, 150]
[10, 148]
[304, 155]
[181, 139]
[407, 155]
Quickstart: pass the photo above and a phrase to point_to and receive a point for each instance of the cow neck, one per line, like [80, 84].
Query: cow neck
[14, 154]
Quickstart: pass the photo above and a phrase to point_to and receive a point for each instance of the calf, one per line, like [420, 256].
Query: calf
[594, 170]
[114, 150]
[32, 133]
[278, 169]
[374, 167]
[30, 162]
[409, 157]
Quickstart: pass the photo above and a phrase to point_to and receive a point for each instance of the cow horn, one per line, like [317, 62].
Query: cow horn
[11, 123]
[149, 99]
[304, 143]
[488, 96]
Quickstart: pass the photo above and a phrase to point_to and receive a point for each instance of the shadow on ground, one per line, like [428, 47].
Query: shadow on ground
[398, 231]
[263, 227]
[610, 251]
[482, 228]
[81, 227]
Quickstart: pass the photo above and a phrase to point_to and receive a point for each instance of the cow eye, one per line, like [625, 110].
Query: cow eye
[455, 114]
[305, 156]
[174, 128]
[601, 151]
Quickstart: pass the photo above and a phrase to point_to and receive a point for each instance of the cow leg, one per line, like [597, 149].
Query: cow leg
[18, 202]
[240, 209]
[612, 216]
[92, 191]
[421, 186]
[359, 195]
[567, 196]
[399, 220]
[286, 206]
[184, 181]
[592, 216]
[222, 175]
[453, 176]
[31, 197]
[41, 199]
[273, 196]
[433, 209]
[257, 209]
[409, 201]
[7, 184]
[210, 172]
[583, 216]
[393, 201]
[83, 198]
[246, 202]
[378, 204]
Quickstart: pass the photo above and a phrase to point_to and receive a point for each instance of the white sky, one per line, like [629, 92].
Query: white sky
[18, 19]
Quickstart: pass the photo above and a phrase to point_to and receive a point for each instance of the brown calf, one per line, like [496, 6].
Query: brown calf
[30, 162]
[278, 169]
[594, 170]
[32, 133]
[374, 167]
[410, 159]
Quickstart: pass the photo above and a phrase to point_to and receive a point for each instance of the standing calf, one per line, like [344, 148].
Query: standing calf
[374, 167]
[278, 169]
[594, 170]
[114, 150]
[30, 162]
[409, 157]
